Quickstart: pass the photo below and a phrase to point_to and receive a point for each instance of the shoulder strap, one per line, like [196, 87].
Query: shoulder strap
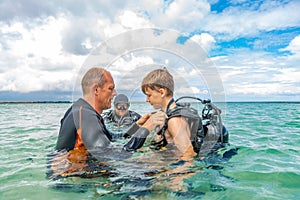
[183, 111]
[169, 104]
[194, 121]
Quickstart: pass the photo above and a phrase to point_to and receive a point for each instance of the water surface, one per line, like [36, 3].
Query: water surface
[267, 165]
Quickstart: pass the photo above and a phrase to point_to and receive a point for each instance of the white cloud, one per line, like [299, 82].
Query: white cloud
[182, 15]
[43, 46]
[26, 79]
[238, 21]
[112, 29]
[259, 74]
[40, 41]
[189, 90]
[36, 61]
[288, 75]
[130, 62]
[228, 75]
[263, 89]
[186, 15]
[126, 70]
[294, 46]
[205, 40]
[132, 20]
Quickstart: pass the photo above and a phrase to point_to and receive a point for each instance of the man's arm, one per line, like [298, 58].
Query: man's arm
[141, 129]
[94, 134]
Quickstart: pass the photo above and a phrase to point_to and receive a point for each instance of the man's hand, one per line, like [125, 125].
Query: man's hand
[143, 119]
[155, 120]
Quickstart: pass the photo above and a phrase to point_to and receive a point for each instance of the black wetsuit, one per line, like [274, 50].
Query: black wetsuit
[94, 134]
[126, 120]
[84, 144]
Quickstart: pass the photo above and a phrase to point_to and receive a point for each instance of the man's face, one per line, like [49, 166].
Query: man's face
[121, 109]
[107, 93]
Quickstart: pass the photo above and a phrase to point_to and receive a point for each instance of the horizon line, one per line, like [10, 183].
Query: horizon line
[68, 101]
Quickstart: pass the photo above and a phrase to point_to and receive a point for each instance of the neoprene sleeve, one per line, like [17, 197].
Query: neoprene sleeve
[94, 133]
[132, 129]
[137, 140]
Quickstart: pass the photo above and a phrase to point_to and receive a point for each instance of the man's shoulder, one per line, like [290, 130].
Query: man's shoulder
[133, 113]
[107, 116]
[82, 103]
[107, 113]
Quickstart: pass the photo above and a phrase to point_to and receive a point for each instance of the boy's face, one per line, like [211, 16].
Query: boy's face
[153, 97]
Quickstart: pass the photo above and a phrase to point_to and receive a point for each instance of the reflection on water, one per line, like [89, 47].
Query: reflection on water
[151, 179]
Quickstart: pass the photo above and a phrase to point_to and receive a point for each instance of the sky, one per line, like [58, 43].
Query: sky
[253, 46]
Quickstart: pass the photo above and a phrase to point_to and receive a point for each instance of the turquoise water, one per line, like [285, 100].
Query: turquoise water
[267, 165]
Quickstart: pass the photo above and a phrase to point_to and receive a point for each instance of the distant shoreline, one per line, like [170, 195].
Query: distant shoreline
[30, 102]
[41, 102]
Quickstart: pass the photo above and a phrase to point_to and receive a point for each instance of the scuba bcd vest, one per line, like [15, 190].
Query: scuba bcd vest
[205, 131]
[193, 119]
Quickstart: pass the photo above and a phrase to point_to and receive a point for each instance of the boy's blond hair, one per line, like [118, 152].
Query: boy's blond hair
[159, 78]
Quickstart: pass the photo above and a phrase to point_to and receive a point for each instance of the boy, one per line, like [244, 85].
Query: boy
[158, 86]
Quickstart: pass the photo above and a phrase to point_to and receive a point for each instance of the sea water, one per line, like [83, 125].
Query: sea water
[267, 165]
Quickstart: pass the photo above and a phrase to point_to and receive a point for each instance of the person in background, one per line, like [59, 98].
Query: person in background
[121, 115]
[83, 134]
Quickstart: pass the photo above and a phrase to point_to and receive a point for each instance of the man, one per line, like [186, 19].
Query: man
[121, 115]
[158, 86]
[83, 134]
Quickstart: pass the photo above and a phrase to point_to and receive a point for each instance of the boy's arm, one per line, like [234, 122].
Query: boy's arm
[180, 132]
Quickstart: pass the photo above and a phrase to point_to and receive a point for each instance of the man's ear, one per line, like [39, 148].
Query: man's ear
[95, 88]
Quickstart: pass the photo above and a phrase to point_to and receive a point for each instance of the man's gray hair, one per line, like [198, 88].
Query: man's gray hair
[94, 75]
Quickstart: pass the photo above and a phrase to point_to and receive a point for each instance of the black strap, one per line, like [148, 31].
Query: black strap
[164, 142]
[169, 104]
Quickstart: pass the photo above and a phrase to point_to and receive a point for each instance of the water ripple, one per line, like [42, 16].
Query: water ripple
[266, 167]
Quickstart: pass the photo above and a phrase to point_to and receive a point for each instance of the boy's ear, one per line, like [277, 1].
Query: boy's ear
[163, 92]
